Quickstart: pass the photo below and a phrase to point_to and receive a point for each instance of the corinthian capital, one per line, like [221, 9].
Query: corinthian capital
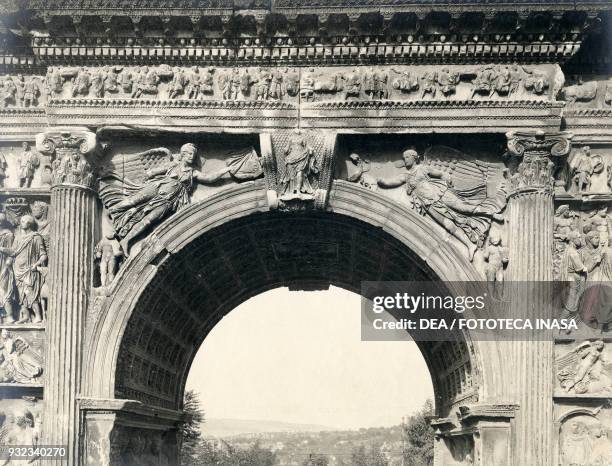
[71, 149]
[536, 159]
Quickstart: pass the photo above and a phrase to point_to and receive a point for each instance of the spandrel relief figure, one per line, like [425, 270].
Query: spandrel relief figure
[108, 254]
[29, 256]
[584, 369]
[18, 362]
[465, 213]
[300, 168]
[136, 207]
[28, 163]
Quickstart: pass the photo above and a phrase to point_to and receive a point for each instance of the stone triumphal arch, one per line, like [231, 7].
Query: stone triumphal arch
[162, 163]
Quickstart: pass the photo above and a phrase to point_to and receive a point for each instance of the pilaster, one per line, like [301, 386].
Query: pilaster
[535, 158]
[74, 206]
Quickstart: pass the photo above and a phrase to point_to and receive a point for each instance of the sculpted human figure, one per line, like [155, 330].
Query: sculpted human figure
[448, 81]
[496, 258]
[3, 167]
[7, 276]
[589, 356]
[352, 85]
[433, 194]
[300, 166]
[125, 80]
[582, 165]
[81, 83]
[31, 91]
[28, 163]
[29, 255]
[262, 86]
[97, 83]
[9, 91]
[55, 81]
[108, 253]
[276, 85]
[111, 83]
[575, 273]
[307, 83]
[178, 83]
[135, 207]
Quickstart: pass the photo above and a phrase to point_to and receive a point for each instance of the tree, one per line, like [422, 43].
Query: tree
[359, 456]
[419, 437]
[376, 457]
[315, 460]
[190, 433]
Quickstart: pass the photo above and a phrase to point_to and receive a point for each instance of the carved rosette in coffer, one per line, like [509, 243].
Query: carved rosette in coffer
[298, 168]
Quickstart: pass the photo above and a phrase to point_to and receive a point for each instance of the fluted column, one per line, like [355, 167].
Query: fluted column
[536, 157]
[73, 203]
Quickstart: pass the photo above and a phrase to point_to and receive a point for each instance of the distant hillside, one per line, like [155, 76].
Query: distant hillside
[231, 427]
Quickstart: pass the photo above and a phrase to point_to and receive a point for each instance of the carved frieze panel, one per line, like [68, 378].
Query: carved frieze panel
[589, 91]
[21, 91]
[24, 250]
[21, 356]
[583, 368]
[21, 421]
[191, 85]
[587, 173]
[22, 166]
[585, 436]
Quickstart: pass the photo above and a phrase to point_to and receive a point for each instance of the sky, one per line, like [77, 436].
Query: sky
[297, 357]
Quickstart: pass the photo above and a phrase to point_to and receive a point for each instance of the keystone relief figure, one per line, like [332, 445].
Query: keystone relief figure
[136, 207]
[466, 213]
[300, 168]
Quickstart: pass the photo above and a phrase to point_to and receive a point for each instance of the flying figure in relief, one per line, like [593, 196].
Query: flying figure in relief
[462, 194]
[136, 207]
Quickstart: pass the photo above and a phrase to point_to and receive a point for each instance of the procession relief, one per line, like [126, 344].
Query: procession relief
[584, 437]
[305, 84]
[19, 91]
